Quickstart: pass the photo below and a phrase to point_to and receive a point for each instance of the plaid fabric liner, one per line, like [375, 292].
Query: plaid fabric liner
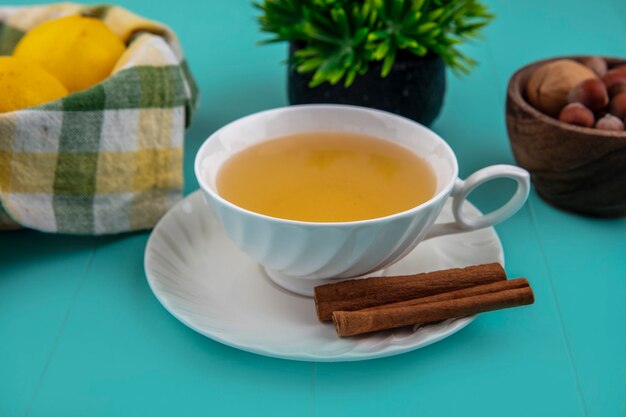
[107, 159]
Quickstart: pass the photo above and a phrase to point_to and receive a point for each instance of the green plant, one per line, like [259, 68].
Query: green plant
[340, 38]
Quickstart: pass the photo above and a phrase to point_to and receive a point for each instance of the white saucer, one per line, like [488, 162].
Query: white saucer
[200, 277]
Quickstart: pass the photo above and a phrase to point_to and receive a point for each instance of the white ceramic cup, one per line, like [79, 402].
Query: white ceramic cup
[301, 255]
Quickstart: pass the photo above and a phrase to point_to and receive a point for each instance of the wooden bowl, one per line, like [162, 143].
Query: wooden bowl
[578, 169]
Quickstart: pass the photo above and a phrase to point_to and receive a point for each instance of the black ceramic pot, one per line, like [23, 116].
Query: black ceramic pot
[414, 88]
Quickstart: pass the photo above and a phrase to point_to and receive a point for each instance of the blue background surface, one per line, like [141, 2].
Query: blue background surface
[82, 335]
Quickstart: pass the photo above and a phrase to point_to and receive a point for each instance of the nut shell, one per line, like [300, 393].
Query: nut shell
[620, 68]
[614, 80]
[617, 89]
[577, 114]
[610, 122]
[596, 64]
[617, 107]
[591, 93]
[549, 85]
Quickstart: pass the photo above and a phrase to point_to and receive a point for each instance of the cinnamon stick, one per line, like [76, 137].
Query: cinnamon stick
[357, 294]
[453, 295]
[463, 303]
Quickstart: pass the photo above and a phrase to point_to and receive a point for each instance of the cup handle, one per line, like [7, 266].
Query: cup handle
[463, 223]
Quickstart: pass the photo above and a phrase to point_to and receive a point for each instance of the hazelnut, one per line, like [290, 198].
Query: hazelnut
[617, 89]
[595, 64]
[577, 114]
[620, 68]
[591, 93]
[610, 122]
[613, 81]
[617, 107]
[549, 85]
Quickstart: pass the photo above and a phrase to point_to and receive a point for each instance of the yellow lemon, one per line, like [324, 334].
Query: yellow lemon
[80, 51]
[25, 84]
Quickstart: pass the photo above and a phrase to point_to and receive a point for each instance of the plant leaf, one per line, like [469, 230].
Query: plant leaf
[381, 51]
[360, 36]
[378, 35]
[403, 42]
[396, 9]
[388, 63]
[350, 76]
[310, 65]
[339, 17]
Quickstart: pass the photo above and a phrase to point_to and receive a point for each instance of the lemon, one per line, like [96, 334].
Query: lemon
[80, 51]
[25, 84]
